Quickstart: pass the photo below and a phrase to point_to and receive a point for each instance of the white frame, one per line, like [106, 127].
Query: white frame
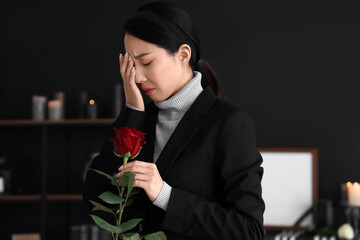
[289, 186]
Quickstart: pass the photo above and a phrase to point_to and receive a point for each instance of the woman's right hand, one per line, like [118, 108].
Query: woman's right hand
[133, 95]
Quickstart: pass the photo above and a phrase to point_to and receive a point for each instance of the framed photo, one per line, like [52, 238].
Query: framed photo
[289, 187]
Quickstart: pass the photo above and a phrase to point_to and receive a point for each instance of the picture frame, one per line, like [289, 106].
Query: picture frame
[290, 187]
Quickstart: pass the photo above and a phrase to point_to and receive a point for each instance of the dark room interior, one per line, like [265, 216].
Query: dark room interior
[293, 66]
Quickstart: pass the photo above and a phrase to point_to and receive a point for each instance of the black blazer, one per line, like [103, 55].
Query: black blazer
[211, 163]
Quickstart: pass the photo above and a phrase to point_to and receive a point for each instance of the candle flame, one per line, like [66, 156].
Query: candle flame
[348, 184]
[92, 101]
[356, 185]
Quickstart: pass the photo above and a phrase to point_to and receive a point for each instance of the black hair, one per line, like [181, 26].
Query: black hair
[167, 25]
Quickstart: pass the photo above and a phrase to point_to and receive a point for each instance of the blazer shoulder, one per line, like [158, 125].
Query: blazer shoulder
[227, 109]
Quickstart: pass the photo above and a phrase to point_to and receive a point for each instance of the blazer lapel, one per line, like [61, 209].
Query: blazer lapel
[147, 153]
[184, 132]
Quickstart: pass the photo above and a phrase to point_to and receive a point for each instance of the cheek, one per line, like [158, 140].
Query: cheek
[164, 77]
[163, 74]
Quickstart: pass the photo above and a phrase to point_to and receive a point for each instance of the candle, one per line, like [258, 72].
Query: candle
[82, 105]
[353, 194]
[2, 185]
[38, 107]
[344, 193]
[92, 109]
[61, 96]
[55, 109]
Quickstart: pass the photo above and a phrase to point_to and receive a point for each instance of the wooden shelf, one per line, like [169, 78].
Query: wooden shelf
[67, 122]
[32, 197]
[66, 197]
[37, 197]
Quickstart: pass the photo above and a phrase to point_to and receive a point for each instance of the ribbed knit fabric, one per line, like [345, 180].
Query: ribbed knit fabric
[173, 109]
[170, 113]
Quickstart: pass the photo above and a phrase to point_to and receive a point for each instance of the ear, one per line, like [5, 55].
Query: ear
[184, 53]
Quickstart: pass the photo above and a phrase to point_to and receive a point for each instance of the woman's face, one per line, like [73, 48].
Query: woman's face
[156, 69]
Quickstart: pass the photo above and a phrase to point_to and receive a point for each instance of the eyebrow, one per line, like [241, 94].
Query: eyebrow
[141, 55]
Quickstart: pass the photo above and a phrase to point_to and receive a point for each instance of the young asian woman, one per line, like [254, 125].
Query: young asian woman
[199, 170]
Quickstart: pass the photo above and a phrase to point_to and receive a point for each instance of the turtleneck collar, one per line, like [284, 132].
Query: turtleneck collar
[180, 102]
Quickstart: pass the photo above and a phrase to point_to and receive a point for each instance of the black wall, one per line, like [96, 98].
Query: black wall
[293, 67]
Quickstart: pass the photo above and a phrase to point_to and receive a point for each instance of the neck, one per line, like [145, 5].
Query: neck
[182, 100]
[188, 75]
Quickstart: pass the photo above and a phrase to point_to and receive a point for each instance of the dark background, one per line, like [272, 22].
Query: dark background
[293, 66]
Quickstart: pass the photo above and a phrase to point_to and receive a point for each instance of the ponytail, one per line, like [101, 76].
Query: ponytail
[209, 78]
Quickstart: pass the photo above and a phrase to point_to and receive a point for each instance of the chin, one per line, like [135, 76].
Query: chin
[158, 98]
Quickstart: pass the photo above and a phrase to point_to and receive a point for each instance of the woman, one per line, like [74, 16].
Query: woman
[199, 169]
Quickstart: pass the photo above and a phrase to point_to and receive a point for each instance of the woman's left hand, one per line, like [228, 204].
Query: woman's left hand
[147, 177]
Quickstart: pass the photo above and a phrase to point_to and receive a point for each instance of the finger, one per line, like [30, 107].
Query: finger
[132, 76]
[141, 174]
[120, 58]
[136, 172]
[137, 163]
[142, 177]
[148, 171]
[133, 169]
[140, 184]
[123, 64]
[129, 67]
[137, 167]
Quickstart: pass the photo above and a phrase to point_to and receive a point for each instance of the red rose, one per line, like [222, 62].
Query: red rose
[127, 140]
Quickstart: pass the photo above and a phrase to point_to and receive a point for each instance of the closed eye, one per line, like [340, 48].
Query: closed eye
[147, 64]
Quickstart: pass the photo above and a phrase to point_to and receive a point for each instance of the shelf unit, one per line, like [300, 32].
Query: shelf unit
[44, 127]
[36, 197]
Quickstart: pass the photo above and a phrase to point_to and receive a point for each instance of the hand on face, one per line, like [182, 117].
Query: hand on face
[147, 177]
[133, 95]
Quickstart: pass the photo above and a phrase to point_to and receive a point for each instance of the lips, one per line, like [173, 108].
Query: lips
[148, 90]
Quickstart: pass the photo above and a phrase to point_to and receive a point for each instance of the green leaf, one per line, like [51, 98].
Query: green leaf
[131, 177]
[100, 207]
[130, 224]
[129, 202]
[105, 225]
[115, 179]
[123, 181]
[106, 175]
[155, 236]
[130, 236]
[111, 198]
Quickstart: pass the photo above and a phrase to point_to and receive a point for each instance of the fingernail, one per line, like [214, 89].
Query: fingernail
[120, 55]
[133, 68]
[129, 58]
[126, 54]
[120, 168]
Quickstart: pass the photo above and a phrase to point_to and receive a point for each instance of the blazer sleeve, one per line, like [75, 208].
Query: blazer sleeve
[239, 212]
[95, 184]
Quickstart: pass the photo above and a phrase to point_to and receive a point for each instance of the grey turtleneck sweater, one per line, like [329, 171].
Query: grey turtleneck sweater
[170, 113]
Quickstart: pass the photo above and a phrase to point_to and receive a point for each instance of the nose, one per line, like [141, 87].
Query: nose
[139, 76]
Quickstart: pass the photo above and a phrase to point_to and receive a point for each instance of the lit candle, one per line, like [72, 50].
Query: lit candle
[353, 193]
[92, 109]
[55, 109]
